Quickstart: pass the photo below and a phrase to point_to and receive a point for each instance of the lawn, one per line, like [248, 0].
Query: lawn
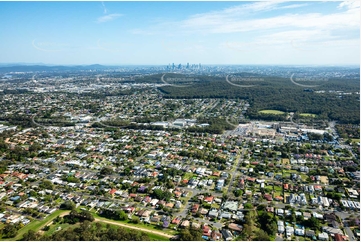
[215, 205]
[269, 187]
[286, 174]
[304, 177]
[213, 177]
[271, 111]
[277, 188]
[188, 175]
[312, 115]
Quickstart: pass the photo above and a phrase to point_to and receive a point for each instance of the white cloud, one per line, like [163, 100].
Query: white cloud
[245, 28]
[350, 4]
[104, 8]
[109, 17]
[301, 35]
[208, 19]
[300, 40]
[242, 18]
[252, 7]
[293, 6]
[233, 20]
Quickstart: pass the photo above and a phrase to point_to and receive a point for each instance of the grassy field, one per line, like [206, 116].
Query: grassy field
[271, 111]
[54, 227]
[140, 225]
[308, 115]
[36, 225]
[155, 237]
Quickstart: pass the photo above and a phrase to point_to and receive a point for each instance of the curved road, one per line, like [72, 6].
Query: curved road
[233, 84]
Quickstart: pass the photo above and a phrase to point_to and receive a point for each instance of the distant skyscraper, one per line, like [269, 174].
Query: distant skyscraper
[187, 65]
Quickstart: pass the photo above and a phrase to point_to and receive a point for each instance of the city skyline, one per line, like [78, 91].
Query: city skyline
[159, 33]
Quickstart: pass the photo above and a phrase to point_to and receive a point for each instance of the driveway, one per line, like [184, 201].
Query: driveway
[348, 231]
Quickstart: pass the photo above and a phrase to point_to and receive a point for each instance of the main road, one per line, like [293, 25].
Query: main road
[233, 175]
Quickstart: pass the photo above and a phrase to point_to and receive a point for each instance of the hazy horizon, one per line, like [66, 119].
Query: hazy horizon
[176, 63]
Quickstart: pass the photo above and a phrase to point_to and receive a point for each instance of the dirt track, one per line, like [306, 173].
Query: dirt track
[133, 227]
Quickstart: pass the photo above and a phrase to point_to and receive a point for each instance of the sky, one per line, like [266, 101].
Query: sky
[159, 33]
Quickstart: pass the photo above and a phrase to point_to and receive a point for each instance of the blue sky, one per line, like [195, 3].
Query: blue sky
[273, 33]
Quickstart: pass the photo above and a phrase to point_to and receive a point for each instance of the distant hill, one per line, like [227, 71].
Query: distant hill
[28, 68]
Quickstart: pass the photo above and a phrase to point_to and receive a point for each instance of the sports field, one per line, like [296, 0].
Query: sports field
[308, 115]
[270, 111]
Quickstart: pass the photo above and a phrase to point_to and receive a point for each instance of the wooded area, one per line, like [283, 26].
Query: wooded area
[280, 94]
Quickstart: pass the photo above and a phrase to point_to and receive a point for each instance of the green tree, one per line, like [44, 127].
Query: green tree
[10, 230]
[30, 236]
[46, 184]
[106, 171]
[248, 206]
[261, 235]
[122, 215]
[313, 223]
[67, 205]
[268, 223]
[136, 220]
[162, 195]
[86, 215]
[247, 231]
[190, 235]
